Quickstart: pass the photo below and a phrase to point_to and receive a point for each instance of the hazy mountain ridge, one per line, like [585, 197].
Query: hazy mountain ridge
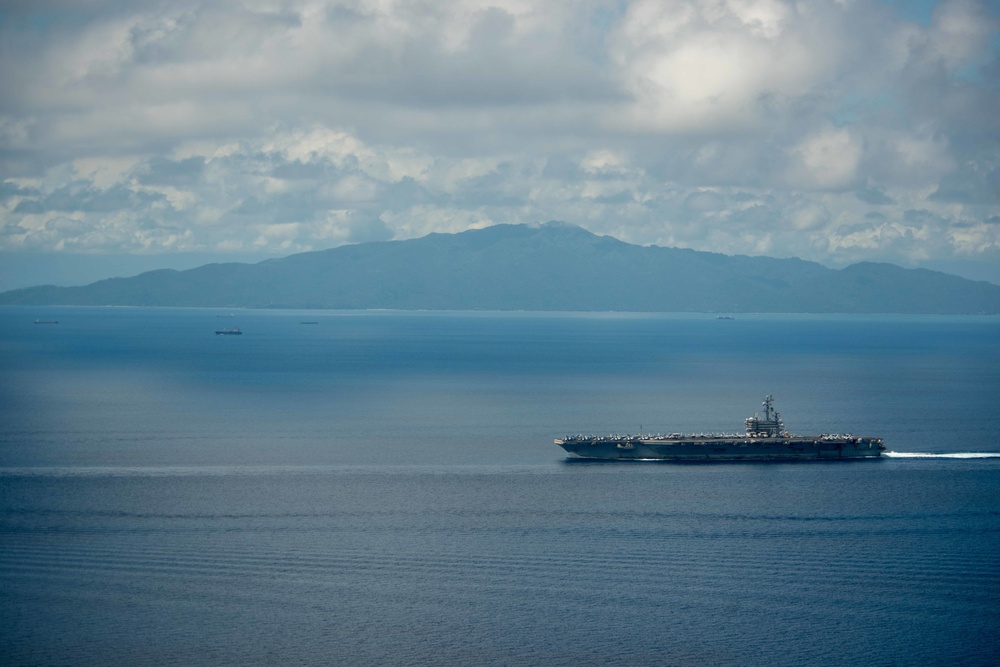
[553, 266]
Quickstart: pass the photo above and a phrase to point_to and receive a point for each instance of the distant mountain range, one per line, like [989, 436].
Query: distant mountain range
[553, 266]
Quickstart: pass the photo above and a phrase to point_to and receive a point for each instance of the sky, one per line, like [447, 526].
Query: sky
[836, 131]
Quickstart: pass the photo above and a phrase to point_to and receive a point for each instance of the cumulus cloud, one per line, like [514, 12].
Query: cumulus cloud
[826, 160]
[741, 126]
[711, 66]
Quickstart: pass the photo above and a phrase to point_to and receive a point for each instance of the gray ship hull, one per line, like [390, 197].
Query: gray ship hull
[790, 448]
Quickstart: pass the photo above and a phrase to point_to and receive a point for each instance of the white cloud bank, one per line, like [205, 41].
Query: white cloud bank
[832, 130]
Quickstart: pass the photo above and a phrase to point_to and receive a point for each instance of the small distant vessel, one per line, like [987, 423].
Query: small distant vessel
[765, 440]
[229, 332]
[46, 321]
[308, 322]
[229, 315]
[725, 317]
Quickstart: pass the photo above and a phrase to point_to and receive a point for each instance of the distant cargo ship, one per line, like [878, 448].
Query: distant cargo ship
[765, 439]
[229, 332]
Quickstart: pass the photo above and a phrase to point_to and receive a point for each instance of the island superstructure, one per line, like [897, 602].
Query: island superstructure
[765, 439]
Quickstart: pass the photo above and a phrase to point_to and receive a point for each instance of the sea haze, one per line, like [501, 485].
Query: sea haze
[351, 487]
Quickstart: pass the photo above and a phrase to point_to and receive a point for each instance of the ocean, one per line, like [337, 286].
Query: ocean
[381, 488]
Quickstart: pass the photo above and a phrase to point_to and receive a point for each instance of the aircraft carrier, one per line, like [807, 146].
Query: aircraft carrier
[765, 439]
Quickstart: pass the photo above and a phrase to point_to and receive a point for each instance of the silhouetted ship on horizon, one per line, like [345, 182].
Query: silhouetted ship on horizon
[765, 440]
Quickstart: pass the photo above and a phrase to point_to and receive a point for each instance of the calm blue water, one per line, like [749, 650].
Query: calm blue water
[382, 488]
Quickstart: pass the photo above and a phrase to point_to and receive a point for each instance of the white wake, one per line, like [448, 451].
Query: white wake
[954, 455]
